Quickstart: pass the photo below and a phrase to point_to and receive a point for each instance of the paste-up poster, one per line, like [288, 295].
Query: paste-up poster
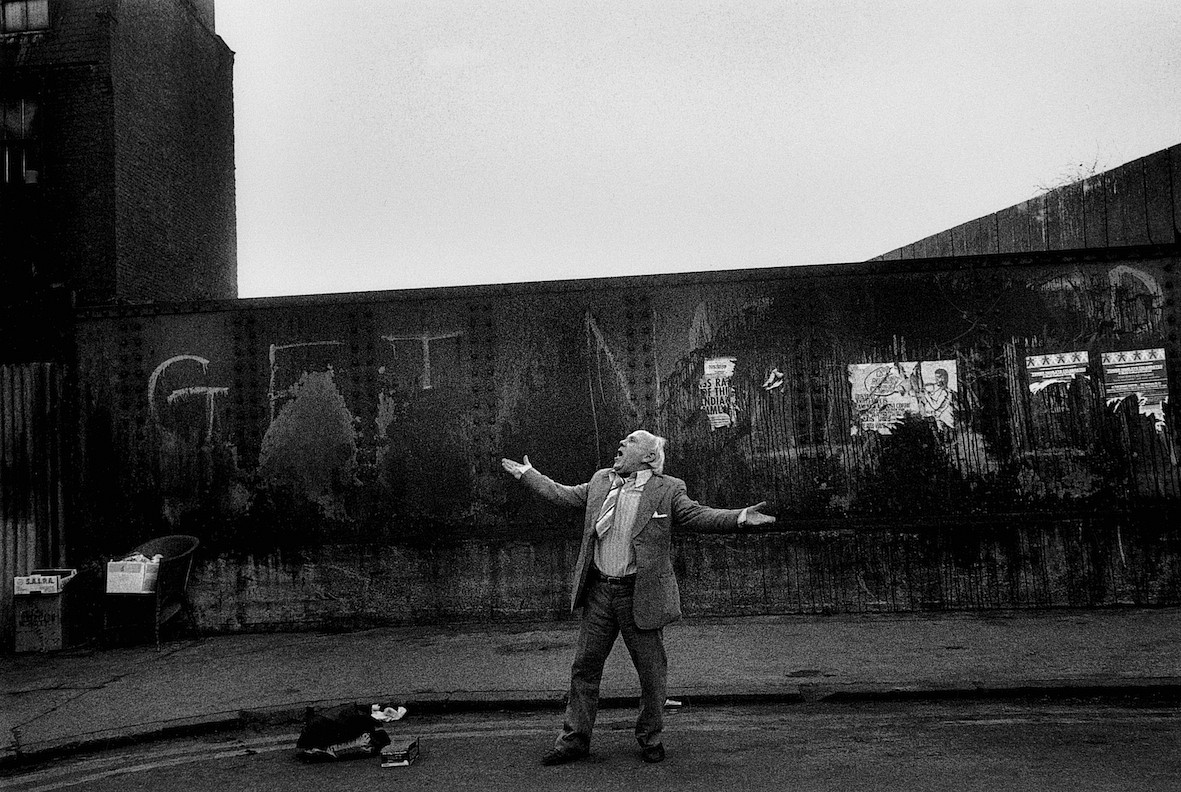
[717, 392]
[1138, 372]
[885, 393]
[1057, 368]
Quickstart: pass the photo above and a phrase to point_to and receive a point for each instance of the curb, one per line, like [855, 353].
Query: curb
[1164, 691]
[13, 757]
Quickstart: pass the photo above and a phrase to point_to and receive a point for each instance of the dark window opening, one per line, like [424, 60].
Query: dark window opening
[20, 149]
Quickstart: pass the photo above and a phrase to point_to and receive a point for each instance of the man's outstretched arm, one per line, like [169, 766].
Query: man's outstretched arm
[691, 514]
[544, 486]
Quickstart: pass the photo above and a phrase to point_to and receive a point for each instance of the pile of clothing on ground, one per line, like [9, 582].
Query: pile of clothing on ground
[346, 731]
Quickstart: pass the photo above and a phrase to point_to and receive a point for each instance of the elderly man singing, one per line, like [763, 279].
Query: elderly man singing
[624, 579]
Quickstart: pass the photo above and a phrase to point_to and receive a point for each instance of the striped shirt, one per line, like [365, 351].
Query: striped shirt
[614, 555]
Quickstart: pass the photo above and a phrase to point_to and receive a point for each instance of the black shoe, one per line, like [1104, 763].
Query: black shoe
[557, 756]
[653, 754]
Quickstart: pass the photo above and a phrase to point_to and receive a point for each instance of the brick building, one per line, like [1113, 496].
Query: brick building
[118, 161]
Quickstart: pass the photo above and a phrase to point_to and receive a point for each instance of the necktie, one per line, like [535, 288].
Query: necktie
[607, 515]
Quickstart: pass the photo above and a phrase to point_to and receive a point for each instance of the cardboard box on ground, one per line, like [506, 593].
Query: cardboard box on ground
[39, 610]
[132, 577]
[42, 581]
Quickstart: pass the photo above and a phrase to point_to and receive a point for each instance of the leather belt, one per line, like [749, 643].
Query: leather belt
[626, 580]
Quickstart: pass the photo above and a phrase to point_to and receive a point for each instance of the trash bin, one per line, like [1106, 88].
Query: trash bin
[39, 604]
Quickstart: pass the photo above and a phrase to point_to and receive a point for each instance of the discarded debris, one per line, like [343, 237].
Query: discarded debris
[400, 753]
[346, 731]
[387, 714]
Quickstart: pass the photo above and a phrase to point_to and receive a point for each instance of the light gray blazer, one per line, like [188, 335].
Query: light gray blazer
[663, 505]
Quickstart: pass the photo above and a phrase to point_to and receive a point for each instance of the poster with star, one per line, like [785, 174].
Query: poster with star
[1139, 373]
[1056, 368]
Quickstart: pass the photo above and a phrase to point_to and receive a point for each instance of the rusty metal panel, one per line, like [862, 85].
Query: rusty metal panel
[959, 242]
[1142, 208]
[926, 247]
[941, 245]
[1175, 178]
[1158, 198]
[1095, 212]
[31, 476]
[1013, 229]
[1065, 218]
[1037, 223]
[980, 236]
[1049, 564]
[1127, 223]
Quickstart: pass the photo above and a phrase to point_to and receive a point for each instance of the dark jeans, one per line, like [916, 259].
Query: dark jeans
[607, 613]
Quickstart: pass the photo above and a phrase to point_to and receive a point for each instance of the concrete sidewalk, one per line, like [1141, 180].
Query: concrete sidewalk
[71, 700]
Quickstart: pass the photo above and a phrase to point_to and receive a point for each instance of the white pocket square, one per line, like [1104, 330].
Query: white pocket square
[658, 515]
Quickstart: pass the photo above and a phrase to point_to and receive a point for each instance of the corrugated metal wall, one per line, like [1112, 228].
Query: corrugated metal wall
[31, 477]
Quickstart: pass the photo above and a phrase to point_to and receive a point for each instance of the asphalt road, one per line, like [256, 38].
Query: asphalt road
[960, 746]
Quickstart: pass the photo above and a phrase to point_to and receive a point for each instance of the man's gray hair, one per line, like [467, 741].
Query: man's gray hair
[656, 444]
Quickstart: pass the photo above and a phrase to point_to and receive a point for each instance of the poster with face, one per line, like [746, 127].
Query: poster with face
[885, 393]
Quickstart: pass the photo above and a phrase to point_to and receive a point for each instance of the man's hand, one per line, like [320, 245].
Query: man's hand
[754, 516]
[517, 469]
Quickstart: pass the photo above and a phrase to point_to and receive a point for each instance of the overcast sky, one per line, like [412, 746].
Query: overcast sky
[387, 145]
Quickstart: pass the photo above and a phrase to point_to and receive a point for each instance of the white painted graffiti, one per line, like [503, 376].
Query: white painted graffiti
[194, 391]
[209, 394]
[599, 345]
[425, 339]
[275, 396]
